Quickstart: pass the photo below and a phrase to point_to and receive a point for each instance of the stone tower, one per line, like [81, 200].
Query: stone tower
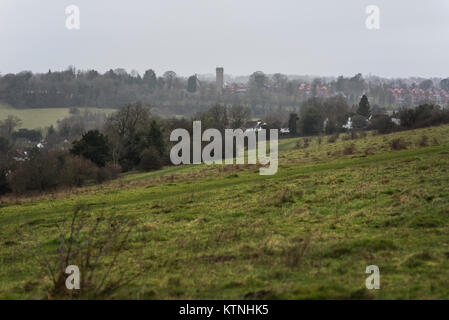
[220, 79]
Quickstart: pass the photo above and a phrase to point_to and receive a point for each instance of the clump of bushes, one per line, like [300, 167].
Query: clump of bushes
[383, 124]
[51, 170]
[424, 115]
[109, 172]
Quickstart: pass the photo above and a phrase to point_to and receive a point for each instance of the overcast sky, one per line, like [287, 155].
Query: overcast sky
[317, 37]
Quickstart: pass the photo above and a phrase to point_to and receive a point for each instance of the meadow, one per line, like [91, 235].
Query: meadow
[42, 117]
[226, 232]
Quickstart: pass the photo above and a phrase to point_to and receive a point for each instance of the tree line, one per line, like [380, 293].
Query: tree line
[170, 94]
[89, 147]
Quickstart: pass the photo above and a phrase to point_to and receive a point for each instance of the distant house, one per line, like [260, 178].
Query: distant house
[254, 125]
[348, 124]
[236, 87]
[396, 121]
[20, 156]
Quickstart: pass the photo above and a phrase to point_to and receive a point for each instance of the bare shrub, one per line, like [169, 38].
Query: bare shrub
[98, 246]
[54, 170]
[436, 142]
[370, 151]
[109, 172]
[333, 138]
[349, 149]
[306, 142]
[35, 174]
[76, 171]
[284, 196]
[424, 141]
[296, 252]
[398, 144]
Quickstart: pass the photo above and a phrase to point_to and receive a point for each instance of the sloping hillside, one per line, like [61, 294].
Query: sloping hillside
[309, 231]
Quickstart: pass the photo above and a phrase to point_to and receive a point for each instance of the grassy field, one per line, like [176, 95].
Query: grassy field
[42, 117]
[210, 232]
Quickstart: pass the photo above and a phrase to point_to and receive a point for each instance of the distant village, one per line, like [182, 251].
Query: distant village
[399, 95]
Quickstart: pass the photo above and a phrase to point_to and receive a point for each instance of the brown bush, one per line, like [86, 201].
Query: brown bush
[296, 252]
[398, 144]
[77, 170]
[349, 149]
[436, 142]
[370, 151]
[424, 141]
[306, 142]
[50, 170]
[98, 246]
[363, 134]
[333, 138]
[37, 174]
[109, 172]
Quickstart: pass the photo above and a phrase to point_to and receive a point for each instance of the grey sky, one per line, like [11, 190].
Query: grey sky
[319, 37]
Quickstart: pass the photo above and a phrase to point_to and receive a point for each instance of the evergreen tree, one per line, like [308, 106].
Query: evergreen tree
[311, 121]
[191, 84]
[364, 107]
[93, 146]
[155, 138]
[292, 121]
[150, 79]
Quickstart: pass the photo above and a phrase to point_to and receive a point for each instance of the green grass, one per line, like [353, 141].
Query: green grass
[211, 232]
[42, 117]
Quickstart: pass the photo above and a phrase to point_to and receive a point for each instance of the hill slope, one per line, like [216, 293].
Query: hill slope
[226, 232]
